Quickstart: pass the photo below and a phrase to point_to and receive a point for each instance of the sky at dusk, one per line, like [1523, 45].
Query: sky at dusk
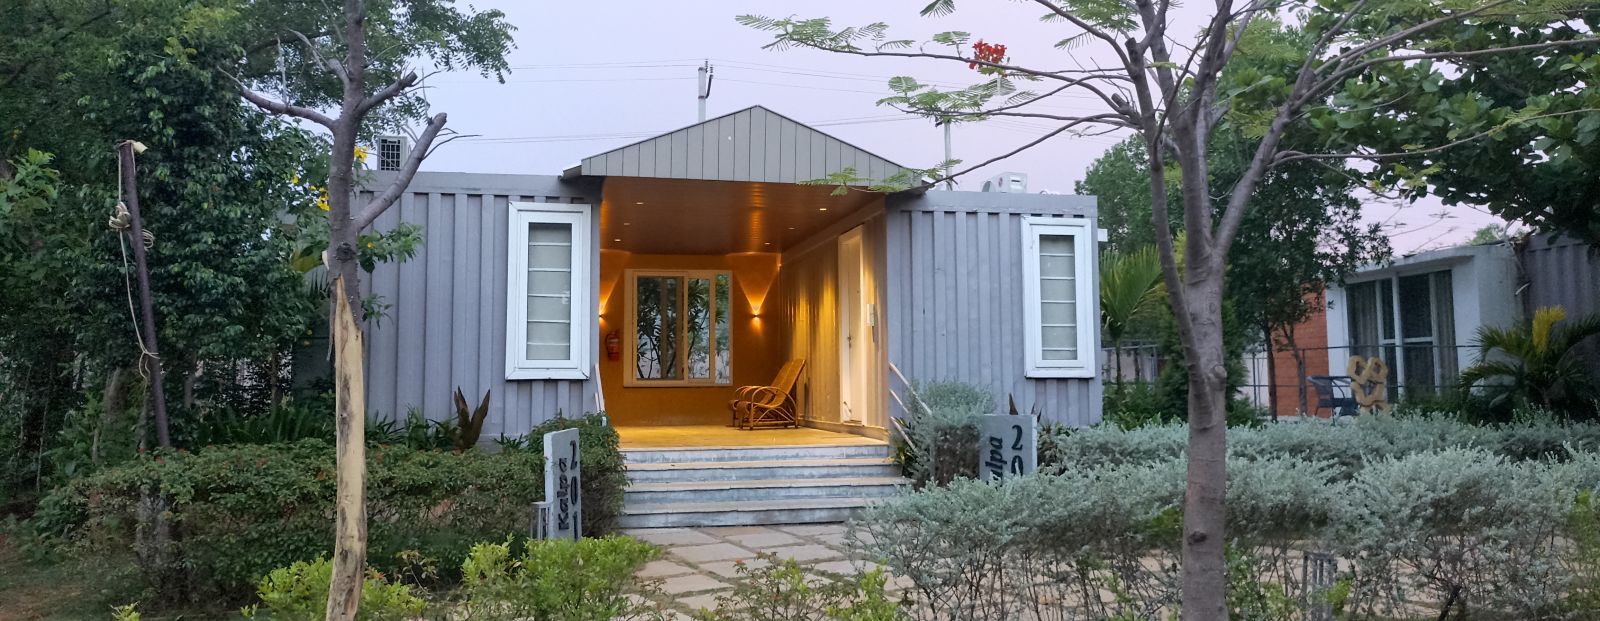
[589, 77]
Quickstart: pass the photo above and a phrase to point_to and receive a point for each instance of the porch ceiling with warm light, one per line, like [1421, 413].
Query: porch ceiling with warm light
[680, 216]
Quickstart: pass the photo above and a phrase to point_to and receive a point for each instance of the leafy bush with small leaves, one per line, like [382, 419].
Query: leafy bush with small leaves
[1534, 436]
[300, 591]
[211, 523]
[1455, 526]
[1443, 527]
[780, 590]
[605, 475]
[942, 431]
[584, 580]
[1131, 405]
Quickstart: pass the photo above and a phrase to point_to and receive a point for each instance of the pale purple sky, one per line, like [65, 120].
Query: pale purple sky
[589, 77]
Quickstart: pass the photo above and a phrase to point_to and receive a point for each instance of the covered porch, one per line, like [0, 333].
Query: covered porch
[707, 286]
[719, 266]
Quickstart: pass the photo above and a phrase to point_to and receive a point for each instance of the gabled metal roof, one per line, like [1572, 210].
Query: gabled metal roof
[753, 144]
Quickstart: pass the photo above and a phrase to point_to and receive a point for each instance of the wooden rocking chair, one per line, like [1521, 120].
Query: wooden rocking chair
[768, 406]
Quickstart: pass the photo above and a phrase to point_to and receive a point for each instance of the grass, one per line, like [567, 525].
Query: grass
[31, 589]
[34, 589]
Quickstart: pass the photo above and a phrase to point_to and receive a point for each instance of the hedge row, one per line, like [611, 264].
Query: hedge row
[1345, 445]
[213, 522]
[1518, 539]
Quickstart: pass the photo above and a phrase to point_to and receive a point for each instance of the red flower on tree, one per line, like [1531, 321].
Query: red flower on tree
[993, 53]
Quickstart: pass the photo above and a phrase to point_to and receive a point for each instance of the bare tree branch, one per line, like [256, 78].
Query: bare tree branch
[391, 91]
[278, 107]
[333, 66]
[419, 151]
[1033, 143]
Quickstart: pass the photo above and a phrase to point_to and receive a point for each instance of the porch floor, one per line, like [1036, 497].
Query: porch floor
[718, 436]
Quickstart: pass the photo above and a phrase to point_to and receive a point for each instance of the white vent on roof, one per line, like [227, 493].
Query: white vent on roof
[1008, 183]
[391, 152]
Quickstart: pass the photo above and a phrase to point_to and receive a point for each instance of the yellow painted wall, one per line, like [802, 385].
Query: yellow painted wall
[756, 354]
[808, 285]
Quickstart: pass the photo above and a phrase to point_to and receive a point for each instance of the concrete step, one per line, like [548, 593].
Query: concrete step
[855, 467]
[762, 490]
[754, 453]
[742, 513]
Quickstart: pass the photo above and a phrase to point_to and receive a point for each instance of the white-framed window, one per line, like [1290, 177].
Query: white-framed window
[1058, 291]
[548, 301]
[679, 328]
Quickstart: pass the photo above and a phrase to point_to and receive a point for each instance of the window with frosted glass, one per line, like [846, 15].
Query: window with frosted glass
[549, 291]
[1058, 299]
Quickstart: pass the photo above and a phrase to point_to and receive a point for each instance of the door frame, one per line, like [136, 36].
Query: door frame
[851, 325]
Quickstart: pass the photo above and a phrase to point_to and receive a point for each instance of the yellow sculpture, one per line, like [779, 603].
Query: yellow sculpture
[1369, 383]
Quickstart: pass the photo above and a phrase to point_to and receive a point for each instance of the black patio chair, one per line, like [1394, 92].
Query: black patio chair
[1333, 394]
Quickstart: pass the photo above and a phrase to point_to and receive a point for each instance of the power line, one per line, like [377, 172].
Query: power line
[692, 62]
[622, 79]
[647, 134]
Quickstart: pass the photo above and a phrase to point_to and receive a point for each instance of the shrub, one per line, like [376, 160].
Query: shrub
[782, 591]
[1454, 526]
[605, 475]
[585, 580]
[300, 591]
[1131, 405]
[212, 523]
[1349, 447]
[942, 431]
[289, 421]
[1536, 363]
[1458, 525]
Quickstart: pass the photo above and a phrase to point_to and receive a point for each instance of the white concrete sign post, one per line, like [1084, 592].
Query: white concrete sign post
[562, 478]
[1008, 446]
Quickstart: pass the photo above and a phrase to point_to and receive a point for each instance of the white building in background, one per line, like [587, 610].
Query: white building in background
[1421, 312]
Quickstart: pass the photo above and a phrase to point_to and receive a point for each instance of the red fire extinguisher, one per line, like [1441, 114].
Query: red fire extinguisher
[613, 346]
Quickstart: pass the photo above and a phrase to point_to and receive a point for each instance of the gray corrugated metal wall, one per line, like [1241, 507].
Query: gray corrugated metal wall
[446, 327]
[754, 144]
[1563, 272]
[955, 299]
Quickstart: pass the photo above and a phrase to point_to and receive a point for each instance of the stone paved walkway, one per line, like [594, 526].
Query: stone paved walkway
[698, 564]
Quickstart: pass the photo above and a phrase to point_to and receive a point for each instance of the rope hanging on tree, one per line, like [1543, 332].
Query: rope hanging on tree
[121, 222]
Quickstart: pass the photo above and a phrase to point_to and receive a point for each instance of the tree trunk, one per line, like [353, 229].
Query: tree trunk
[1300, 367]
[111, 405]
[190, 376]
[1204, 510]
[1272, 372]
[1116, 349]
[350, 519]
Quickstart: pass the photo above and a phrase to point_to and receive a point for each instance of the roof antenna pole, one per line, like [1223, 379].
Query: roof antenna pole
[949, 184]
[704, 92]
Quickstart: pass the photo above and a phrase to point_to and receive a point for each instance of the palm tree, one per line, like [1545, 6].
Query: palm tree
[1130, 286]
[1537, 363]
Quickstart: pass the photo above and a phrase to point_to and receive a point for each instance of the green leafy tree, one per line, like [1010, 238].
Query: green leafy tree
[1120, 182]
[1487, 235]
[1174, 90]
[355, 62]
[1513, 131]
[219, 191]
